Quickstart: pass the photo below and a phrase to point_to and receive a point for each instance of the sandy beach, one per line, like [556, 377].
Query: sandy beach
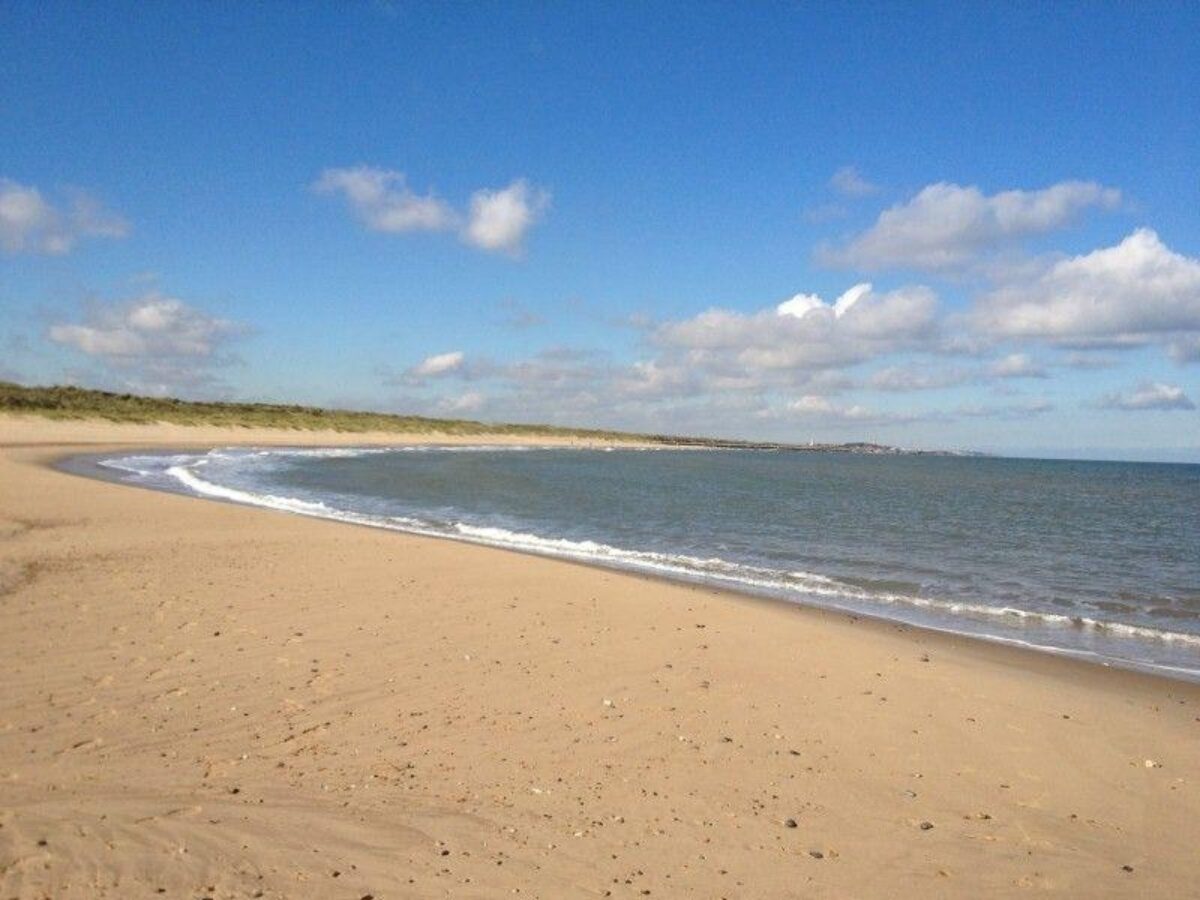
[205, 700]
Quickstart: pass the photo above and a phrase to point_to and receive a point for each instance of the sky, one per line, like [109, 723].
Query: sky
[963, 226]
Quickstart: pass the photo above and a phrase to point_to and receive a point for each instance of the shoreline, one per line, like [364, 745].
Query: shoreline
[87, 467]
[285, 699]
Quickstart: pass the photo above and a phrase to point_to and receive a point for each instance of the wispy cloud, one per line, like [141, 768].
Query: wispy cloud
[1185, 349]
[29, 223]
[848, 182]
[468, 403]
[382, 200]
[154, 342]
[517, 315]
[1026, 409]
[1147, 396]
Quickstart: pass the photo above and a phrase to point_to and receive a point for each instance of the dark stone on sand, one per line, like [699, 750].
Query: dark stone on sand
[790, 823]
[816, 854]
[1126, 868]
[925, 826]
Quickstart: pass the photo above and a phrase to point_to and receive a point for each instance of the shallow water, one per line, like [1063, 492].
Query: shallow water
[1091, 558]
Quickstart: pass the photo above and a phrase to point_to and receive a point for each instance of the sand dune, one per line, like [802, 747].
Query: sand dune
[203, 700]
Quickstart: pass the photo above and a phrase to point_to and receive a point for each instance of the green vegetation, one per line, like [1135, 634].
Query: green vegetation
[62, 402]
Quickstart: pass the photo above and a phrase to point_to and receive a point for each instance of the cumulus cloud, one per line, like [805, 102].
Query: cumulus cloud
[158, 342]
[802, 304]
[805, 332]
[382, 200]
[500, 219]
[1125, 295]
[849, 182]
[946, 226]
[497, 220]
[720, 363]
[1149, 395]
[29, 223]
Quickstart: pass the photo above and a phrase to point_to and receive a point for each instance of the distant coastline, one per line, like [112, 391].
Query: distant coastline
[67, 402]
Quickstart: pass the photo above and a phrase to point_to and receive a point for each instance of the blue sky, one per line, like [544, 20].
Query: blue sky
[637, 215]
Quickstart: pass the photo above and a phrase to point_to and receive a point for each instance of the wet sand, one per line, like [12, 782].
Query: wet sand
[204, 700]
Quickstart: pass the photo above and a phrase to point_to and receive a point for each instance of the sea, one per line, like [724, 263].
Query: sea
[1099, 560]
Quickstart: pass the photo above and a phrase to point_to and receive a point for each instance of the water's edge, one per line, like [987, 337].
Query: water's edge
[91, 465]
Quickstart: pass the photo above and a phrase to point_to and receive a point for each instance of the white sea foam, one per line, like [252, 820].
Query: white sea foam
[145, 465]
[290, 504]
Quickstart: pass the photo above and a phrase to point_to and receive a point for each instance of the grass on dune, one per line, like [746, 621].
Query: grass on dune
[65, 402]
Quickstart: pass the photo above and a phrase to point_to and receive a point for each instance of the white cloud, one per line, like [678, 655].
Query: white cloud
[1017, 365]
[499, 219]
[802, 304]
[159, 343]
[805, 332]
[1150, 395]
[815, 404]
[946, 226]
[1118, 296]
[470, 402]
[382, 200]
[151, 326]
[849, 182]
[440, 364]
[817, 408]
[29, 223]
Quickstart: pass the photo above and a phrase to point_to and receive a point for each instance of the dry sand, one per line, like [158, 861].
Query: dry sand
[203, 700]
